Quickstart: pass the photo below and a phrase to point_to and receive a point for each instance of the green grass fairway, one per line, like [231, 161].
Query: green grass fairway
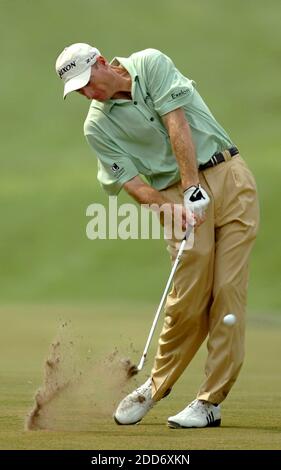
[251, 414]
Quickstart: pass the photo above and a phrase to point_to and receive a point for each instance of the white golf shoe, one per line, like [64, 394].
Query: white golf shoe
[134, 406]
[198, 414]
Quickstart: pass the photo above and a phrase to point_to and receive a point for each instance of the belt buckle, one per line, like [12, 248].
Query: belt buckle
[214, 160]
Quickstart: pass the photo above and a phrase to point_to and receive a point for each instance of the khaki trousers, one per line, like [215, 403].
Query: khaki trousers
[210, 282]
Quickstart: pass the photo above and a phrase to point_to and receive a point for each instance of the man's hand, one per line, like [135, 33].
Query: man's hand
[145, 194]
[196, 200]
[180, 216]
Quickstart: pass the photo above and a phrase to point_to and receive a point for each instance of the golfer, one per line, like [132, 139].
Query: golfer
[147, 118]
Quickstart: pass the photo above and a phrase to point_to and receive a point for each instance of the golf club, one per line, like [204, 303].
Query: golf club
[133, 369]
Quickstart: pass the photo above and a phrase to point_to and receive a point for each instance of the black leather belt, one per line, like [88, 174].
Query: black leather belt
[217, 158]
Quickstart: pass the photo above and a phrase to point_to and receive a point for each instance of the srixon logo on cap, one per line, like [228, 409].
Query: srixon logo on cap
[67, 68]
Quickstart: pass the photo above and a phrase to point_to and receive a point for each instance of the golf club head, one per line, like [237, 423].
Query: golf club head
[141, 363]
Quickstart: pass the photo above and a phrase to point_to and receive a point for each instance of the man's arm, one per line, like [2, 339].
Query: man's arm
[196, 200]
[143, 193]
[181, 141]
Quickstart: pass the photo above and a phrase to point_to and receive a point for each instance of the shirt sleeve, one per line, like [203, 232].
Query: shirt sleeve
[114, 167]
[168, 88]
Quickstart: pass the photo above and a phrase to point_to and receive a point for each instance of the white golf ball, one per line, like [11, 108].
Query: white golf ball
[229, 319]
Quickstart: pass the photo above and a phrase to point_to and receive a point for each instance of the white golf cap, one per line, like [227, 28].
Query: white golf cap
[73, 66]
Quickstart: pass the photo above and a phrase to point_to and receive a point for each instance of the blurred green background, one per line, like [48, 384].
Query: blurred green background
[48, 173]
[50, 271]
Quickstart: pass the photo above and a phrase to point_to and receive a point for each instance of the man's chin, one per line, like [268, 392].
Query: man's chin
[101, 99]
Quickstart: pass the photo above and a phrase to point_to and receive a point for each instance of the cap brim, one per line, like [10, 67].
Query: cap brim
[76, 83]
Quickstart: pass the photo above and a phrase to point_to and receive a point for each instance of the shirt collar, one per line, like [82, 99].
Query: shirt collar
[106, 106]
[127, 64]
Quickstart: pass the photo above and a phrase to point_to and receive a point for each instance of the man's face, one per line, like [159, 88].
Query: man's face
[99, 86]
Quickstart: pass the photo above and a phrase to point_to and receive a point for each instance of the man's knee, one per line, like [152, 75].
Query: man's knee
[230, 295]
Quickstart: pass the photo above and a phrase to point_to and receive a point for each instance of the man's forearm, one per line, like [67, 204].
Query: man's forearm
[183, 148]
[145, 194]
[185, 154]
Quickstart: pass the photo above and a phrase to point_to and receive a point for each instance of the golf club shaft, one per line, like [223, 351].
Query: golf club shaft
[182, 245]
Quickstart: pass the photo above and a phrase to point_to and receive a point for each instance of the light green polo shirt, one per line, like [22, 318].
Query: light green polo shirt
[129, 137]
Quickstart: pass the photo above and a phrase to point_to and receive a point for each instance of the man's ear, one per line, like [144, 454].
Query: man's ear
[101, 60]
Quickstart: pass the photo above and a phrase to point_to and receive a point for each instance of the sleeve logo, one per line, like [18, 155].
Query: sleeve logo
[118, 172]
[179, 93]
[115, 167]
